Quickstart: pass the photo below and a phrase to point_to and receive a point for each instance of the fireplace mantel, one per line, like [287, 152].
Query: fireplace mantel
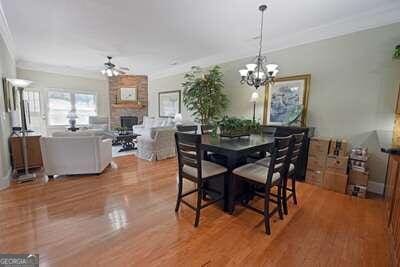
[128, 105]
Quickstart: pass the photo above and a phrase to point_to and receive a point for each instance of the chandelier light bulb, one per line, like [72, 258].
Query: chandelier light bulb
[271, 67]
[243, 73]
[251, 67]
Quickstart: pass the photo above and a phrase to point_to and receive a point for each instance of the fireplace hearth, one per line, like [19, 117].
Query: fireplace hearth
[129, 121]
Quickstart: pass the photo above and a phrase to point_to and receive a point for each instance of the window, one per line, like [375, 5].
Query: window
[62, 102]
[85, 105]
[33, 101]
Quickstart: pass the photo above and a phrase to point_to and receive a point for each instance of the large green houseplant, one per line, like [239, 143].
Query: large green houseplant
[203, 96]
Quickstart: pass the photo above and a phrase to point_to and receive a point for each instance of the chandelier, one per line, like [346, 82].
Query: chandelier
[259, 73]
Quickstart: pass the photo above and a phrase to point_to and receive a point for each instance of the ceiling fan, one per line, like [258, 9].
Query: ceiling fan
[111, 70]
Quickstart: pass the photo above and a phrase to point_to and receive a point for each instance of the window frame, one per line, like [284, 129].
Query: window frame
[72, 93]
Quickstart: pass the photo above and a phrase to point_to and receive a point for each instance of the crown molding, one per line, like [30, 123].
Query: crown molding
[382, 16]
[6, 33]
[62, 70]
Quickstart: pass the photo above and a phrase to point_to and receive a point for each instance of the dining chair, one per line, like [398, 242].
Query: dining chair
[187, 128]
[268, 131]
[206, 129]
[268, 177]
[295, 153]
[193, 168]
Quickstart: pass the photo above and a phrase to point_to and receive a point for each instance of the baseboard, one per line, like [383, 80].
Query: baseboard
[5, 181]
[375, 187]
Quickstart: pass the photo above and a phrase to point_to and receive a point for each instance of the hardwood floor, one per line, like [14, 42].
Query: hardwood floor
[126, 217]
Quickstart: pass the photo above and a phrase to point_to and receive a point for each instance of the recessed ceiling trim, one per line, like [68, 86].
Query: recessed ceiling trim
[6, 33]
[386, 15]
[62, 70]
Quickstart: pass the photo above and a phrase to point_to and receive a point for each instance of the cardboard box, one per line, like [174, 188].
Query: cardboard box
[314, 177]
[357, 190]
[358, 165]
[358, 178]
[338, 148]
[337, 163]
[316, 163]
[335, 181]
[319, 147]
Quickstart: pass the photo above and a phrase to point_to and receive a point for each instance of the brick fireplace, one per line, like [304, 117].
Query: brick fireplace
[137, 110]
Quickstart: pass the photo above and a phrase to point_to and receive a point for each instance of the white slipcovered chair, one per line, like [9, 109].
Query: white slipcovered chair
[158, 144]
[69, 155]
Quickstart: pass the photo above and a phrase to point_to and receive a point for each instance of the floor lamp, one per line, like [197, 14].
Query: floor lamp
[253, 99]
[21, 85]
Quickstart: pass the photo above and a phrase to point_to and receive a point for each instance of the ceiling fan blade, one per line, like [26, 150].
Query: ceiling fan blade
[124, 68]
[121, 71]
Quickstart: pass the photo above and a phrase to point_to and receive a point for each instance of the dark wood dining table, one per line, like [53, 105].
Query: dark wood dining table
[235, 150]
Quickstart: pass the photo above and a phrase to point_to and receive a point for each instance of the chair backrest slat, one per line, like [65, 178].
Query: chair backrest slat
[297, 147]
[280, 157]
[188, 151]
[187, 128]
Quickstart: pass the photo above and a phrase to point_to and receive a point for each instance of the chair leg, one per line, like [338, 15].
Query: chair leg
[198, 207]
[204, 194]
[284, 197]
[266, 212]
[179, 197]
[294, 189]
[280, 199]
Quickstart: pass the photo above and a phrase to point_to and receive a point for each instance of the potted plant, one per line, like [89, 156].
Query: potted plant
[396, 54]
[203, 96]
[235, 127]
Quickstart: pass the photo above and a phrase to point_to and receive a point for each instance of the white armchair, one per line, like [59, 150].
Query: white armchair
[75, 155]
[157, 145]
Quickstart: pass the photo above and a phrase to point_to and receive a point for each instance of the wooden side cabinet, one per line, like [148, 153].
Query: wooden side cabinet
[33, 148]
[392, 198]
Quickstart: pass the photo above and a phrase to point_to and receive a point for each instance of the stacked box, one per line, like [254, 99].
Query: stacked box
[336, 177]
[358, 176]
[318, 151]
[338, 148]
[357, 190]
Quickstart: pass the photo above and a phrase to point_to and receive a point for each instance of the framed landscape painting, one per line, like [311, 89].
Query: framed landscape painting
[286, 101]
[128, 94]
[169, 104]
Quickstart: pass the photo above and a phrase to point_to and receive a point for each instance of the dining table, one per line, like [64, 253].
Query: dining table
[235, 152]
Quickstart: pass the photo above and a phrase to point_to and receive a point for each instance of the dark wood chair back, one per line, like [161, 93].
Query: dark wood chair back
[268, 130]
[280, 157]
[187, 128]
[297, 148]
[206, 129]
[189, 153]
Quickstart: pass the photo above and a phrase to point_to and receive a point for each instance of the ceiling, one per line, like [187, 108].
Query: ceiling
[149, 36]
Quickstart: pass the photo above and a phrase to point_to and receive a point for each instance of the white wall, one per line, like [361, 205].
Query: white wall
[44, 80]
[354, 82]
[7, 69]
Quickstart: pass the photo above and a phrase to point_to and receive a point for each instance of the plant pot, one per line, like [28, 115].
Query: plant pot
[231, 133]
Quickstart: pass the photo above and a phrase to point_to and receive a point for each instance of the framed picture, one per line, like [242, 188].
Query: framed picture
[128, 94]
[169, 104]
[286, 101]
[9, 95]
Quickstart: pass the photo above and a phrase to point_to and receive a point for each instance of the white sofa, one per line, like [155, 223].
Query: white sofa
[68, 155]
[156, 140]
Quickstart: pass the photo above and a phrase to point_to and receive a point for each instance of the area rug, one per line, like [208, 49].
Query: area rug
[116, 153]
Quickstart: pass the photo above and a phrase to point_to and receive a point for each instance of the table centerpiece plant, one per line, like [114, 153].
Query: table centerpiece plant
[236, 127]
